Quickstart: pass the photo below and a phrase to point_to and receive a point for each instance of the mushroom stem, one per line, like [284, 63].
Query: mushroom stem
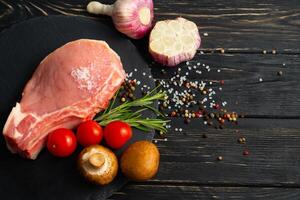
[96, 160]
[98, 8]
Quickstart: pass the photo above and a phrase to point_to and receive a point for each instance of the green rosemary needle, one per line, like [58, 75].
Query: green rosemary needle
[131, 112]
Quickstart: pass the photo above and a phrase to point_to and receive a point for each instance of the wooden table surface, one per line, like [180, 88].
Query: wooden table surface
[189, 167]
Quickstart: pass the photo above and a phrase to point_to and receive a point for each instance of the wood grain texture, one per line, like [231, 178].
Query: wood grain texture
[273, 157]
[244, 26]
[276, 96]
[244, 29]
[182, 192]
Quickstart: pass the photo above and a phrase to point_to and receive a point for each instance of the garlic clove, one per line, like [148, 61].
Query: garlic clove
[145, 15]
[174, 41]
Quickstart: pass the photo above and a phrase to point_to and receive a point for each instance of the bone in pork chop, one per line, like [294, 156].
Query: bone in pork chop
[69, 86]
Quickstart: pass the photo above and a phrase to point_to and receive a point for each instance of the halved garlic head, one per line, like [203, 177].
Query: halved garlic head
[98, 164]
[174, 41]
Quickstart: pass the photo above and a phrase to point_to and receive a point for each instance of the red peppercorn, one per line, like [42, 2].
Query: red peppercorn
[198, 114]
[222, 121]
[246, 153]
[226, 116]
[222, 82]
[217, 106]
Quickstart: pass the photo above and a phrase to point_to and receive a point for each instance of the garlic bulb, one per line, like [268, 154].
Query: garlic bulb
[174, 41]
[131, 17]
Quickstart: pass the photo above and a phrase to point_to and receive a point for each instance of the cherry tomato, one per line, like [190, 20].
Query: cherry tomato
[89, 133]
[117, 133]
[61, 142]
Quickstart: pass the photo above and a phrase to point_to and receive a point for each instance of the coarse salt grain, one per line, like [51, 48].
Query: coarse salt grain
[83, 77]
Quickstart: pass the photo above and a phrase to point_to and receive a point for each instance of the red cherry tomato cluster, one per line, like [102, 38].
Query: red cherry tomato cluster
[63, 142]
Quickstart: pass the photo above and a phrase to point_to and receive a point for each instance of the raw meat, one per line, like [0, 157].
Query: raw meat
[69, 86]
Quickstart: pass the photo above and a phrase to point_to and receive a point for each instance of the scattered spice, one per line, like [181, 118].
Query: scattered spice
[273, 51]
[190, 99]
[242, 140]
[217, 106]
[279, 73]
[173, 114]
[220, 158]
[245, 152]
[187, 120]
[264, 51]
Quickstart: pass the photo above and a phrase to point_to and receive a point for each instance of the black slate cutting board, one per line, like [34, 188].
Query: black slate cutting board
[22, 47]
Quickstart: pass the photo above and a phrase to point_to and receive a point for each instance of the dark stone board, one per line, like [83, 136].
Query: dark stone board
[22, 47]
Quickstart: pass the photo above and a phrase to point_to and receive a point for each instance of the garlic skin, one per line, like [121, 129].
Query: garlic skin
[131, 17]
[174, 41]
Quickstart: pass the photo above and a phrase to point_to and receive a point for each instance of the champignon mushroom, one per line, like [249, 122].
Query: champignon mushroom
[98, 164]
[140, 161]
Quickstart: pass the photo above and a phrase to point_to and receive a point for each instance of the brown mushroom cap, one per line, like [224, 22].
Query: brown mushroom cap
[98, 164]
[140, 161]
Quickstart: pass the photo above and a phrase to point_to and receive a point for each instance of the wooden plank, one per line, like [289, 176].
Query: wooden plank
[241, 68]
[252, 84]
[189, 162]
[193, 192]
[266, 99]
[273, 159]
[251, 26]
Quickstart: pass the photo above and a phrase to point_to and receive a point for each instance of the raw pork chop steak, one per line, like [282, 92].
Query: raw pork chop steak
[69, 86]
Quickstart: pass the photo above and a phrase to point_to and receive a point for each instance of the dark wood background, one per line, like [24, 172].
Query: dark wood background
[189, 168]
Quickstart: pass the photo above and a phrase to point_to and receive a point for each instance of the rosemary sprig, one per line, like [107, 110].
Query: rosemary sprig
[131, 112]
